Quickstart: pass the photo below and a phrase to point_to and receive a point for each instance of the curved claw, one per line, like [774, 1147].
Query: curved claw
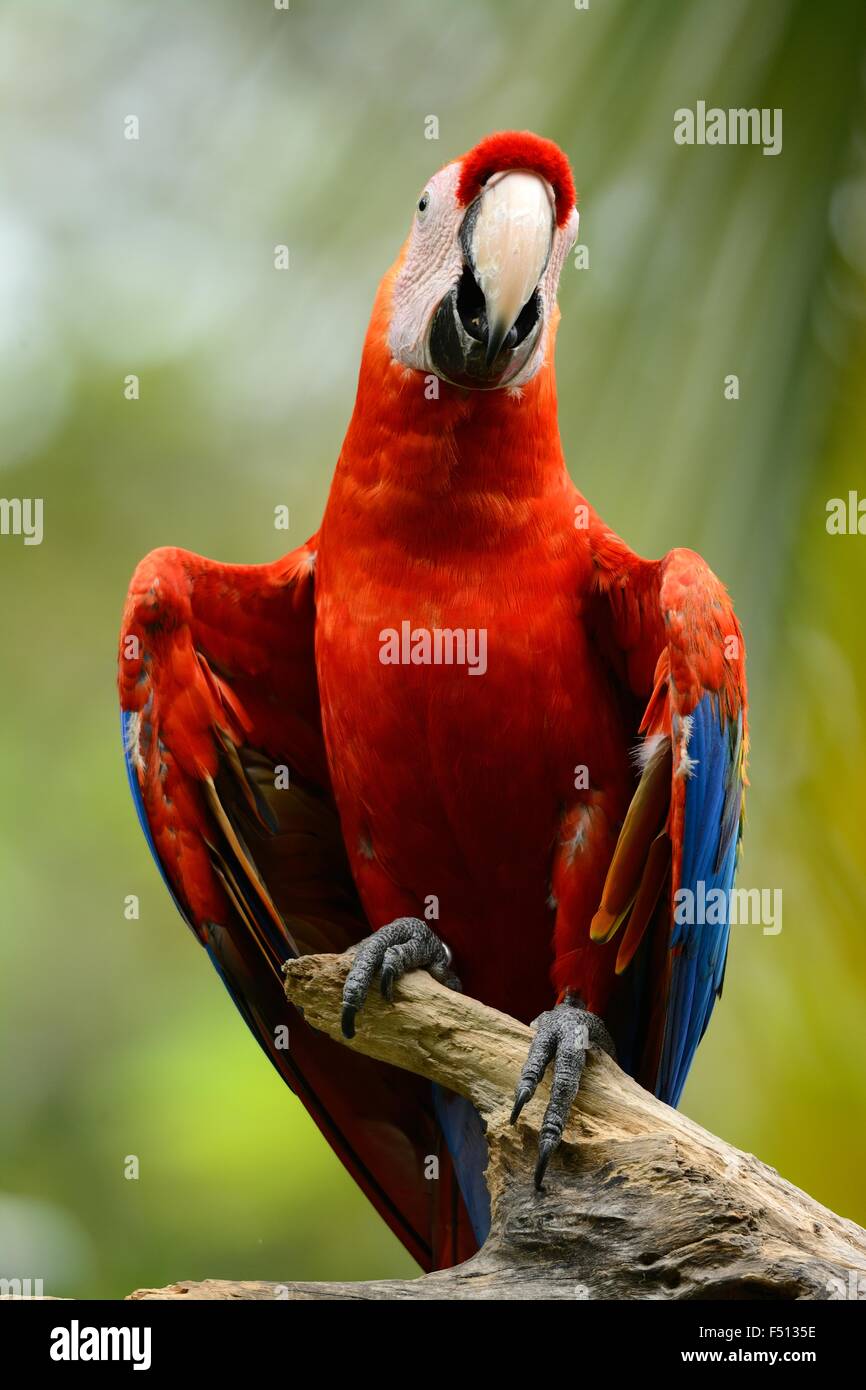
[563, 1035]
[521, 1096]
[545, 1148]
[347, 1021]
[403, 945]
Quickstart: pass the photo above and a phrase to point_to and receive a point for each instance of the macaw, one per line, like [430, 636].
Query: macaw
[464, 728]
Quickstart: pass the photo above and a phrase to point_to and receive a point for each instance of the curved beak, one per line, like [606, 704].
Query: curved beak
[486, 328]
[509, 245]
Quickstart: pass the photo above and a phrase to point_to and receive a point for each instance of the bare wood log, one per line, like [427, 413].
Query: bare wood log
[639, 1203]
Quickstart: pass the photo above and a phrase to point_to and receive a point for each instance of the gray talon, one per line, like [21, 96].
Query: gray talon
[403, 945]
[563, 1036]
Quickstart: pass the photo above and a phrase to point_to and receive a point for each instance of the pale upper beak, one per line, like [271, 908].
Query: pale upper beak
[510, 246]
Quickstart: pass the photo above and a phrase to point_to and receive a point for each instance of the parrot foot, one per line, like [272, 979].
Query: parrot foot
[562, 1035]
[405, 944]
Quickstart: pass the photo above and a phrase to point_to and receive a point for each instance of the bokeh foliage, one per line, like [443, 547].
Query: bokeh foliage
[156, 257]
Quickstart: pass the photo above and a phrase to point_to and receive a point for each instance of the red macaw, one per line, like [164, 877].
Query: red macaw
[464, 707]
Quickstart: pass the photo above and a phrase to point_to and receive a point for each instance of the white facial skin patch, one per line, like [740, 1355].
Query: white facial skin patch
[433, 261]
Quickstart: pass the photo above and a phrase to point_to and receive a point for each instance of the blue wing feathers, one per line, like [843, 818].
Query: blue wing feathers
[461, 1125]
[709, 854]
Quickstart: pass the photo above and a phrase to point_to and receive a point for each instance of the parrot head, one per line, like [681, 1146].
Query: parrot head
[475, 290]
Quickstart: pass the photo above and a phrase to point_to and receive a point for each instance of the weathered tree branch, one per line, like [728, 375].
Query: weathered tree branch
[639, 1202]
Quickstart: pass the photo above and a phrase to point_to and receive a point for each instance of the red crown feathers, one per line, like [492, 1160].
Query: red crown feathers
[518, 149]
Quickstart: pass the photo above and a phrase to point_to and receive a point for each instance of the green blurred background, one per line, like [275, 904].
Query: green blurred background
[155, 257]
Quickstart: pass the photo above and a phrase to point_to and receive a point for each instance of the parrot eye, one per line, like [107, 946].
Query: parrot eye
[423, 203]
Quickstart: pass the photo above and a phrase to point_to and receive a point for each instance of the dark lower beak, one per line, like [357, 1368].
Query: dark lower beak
[469, 350]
